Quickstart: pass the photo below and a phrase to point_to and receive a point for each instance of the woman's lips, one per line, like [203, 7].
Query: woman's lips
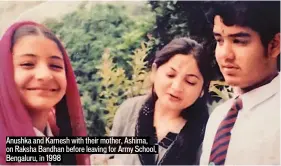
[174, 98]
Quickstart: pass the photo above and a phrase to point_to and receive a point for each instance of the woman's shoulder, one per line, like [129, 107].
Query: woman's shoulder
[127, 113]
[133, 104]
[137, 100]
[131, 107]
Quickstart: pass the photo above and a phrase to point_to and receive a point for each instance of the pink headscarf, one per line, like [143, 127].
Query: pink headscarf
[14, 118]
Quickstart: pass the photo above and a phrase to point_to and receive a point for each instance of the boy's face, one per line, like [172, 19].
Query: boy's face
[242, 58]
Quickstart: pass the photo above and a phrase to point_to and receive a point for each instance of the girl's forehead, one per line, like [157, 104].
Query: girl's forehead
[36, 45]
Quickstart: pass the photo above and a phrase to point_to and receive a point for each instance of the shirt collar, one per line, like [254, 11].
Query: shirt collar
[40, 134]
[260, 94]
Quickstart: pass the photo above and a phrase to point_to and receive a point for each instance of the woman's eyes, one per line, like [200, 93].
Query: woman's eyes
[187, 81]
[190, 82]
[171, 75]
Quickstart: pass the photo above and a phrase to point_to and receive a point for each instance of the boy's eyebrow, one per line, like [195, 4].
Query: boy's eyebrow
[239, 34]
[216, 34]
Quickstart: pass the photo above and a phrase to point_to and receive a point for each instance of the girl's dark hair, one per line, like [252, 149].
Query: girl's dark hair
[33, 30]
[197, 114]
[62, 115]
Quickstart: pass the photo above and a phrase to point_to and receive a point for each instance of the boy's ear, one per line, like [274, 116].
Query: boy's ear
[202, 93]
[153, 72]
[274, 46]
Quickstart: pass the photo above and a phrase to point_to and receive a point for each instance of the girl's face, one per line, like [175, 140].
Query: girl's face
[39, 72]
[178, 83]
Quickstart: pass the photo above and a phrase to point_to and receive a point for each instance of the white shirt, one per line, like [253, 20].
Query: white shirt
[40, 134]
[255, 137]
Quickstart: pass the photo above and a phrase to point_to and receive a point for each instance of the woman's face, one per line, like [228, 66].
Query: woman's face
[39, 72]
[178, 83]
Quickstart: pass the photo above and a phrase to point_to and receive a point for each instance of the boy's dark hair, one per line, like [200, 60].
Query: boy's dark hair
[261, 16]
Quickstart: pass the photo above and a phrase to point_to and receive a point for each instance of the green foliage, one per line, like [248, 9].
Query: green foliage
[183, 19]
[117, 86]
[180, 18]
[221, 90]
[85, 33]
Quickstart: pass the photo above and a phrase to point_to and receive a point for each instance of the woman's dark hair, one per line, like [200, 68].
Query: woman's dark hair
[62, 115]
[186, 46]
[261, 16]
[197, 114]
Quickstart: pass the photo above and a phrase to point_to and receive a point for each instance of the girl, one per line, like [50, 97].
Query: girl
[36, 79]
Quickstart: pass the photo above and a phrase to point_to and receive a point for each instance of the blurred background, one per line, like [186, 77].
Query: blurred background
[112, 43]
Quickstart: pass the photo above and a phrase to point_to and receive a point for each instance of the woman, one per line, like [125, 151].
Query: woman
[36, 76]
[174, 115]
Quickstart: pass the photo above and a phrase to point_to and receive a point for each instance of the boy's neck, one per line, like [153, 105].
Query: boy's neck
[259, 84]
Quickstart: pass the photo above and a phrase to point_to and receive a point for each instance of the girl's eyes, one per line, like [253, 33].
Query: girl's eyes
[56, 66]
[29, 65]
